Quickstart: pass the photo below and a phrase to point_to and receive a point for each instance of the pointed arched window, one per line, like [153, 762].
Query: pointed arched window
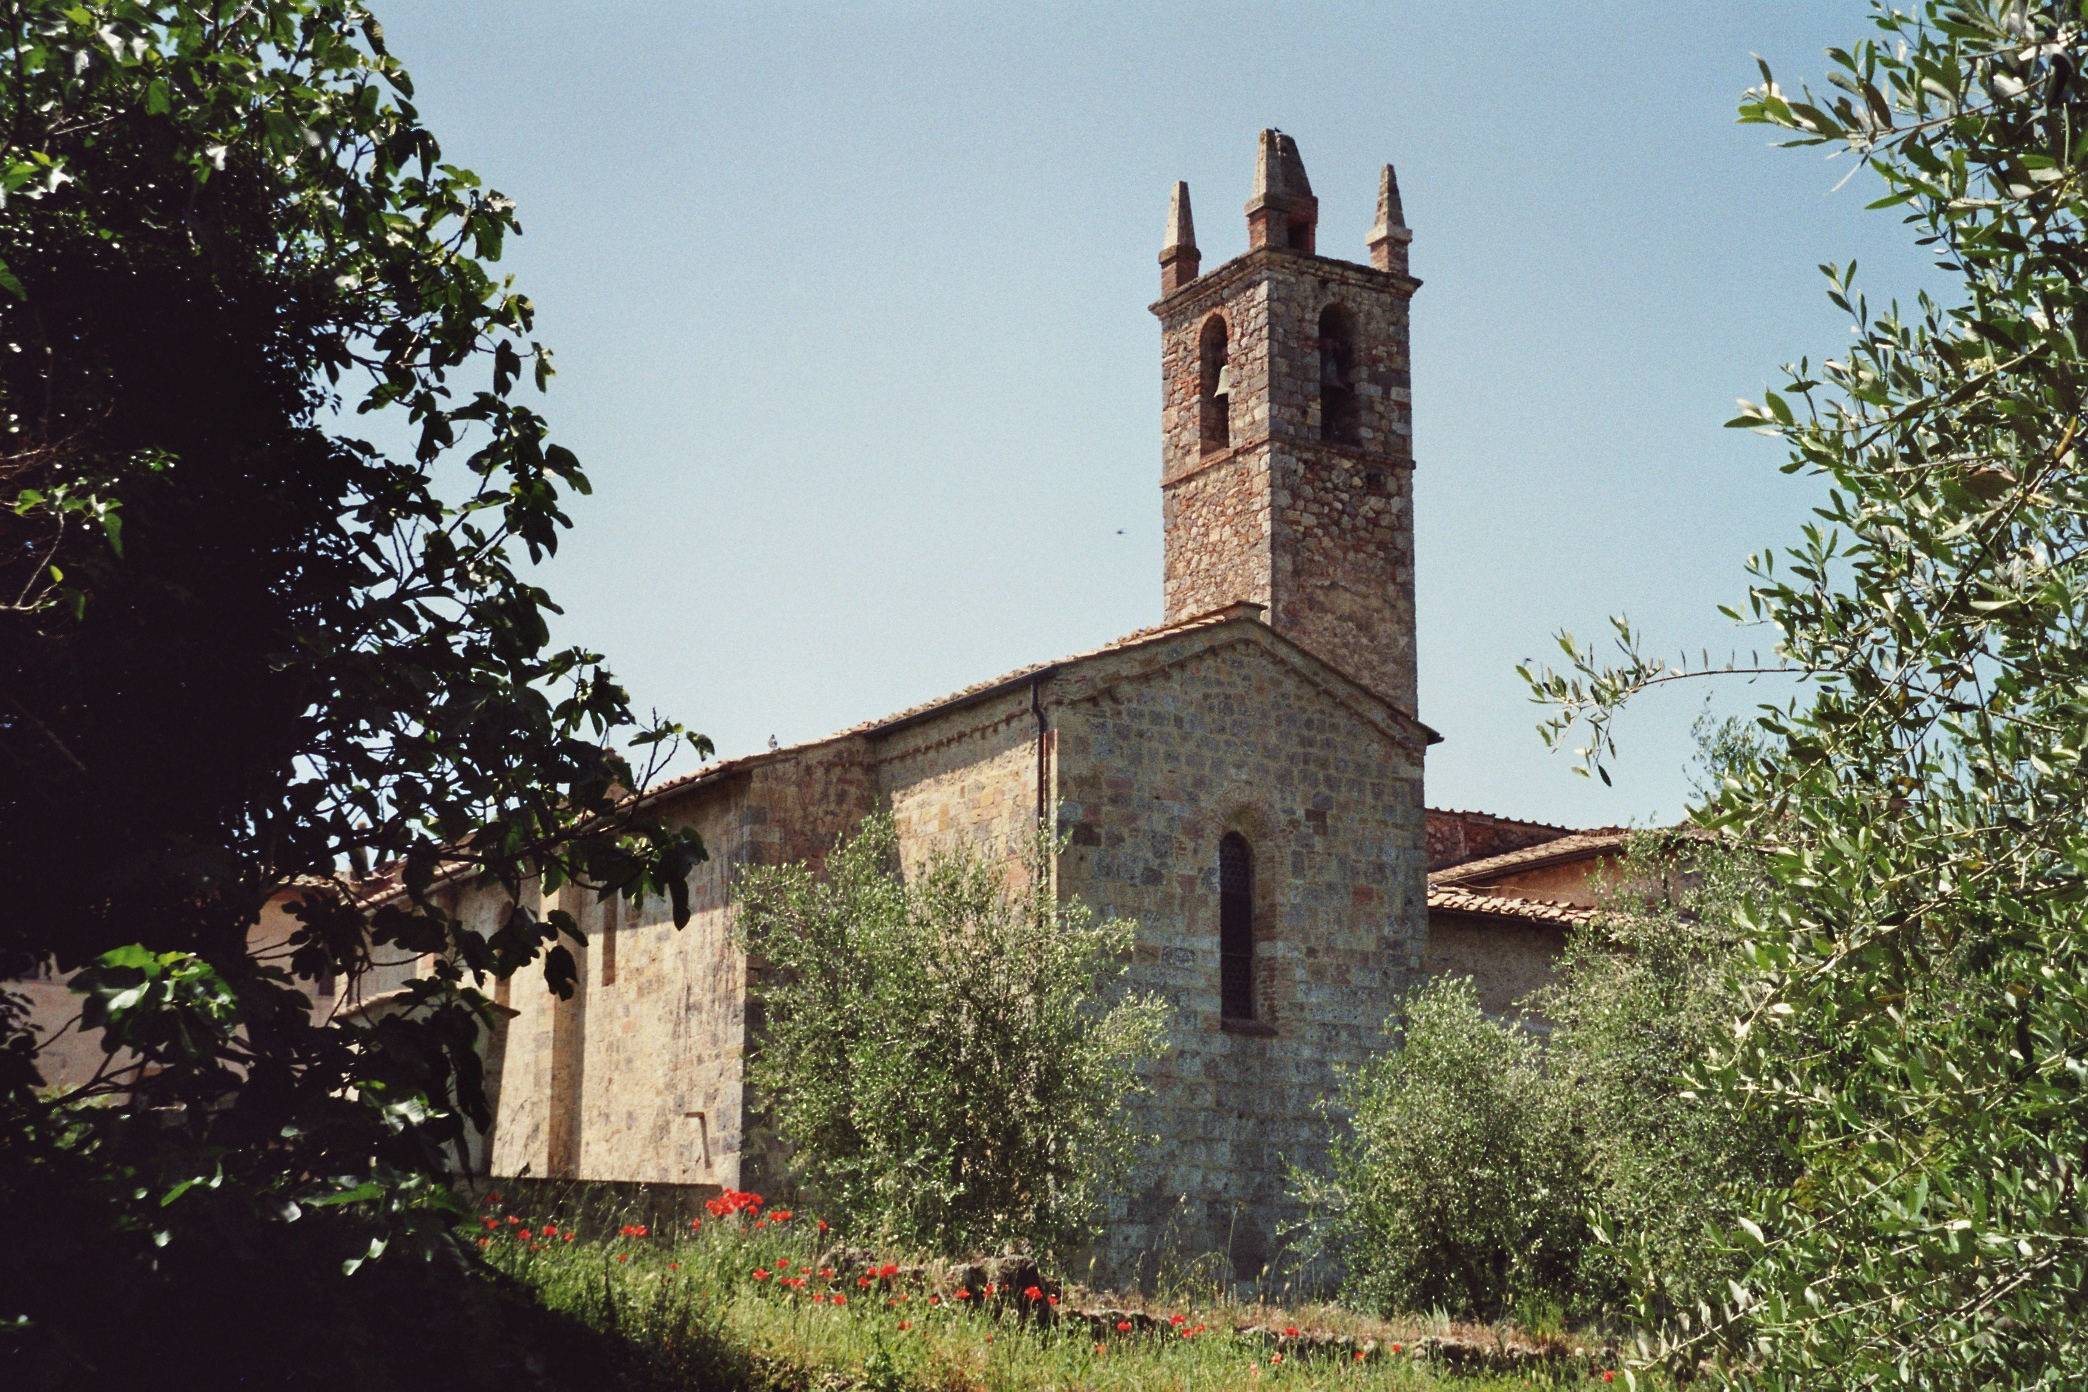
[1214, 382]
[1235, 928]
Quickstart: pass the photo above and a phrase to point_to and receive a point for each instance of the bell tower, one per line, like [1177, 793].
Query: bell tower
[1287, 441]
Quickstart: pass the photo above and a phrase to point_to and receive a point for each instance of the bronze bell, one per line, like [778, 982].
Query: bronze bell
[1330, 364]
[1224, 384]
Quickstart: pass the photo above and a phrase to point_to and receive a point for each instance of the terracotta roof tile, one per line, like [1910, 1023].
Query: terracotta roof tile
[1578, 846]
[1552, 911]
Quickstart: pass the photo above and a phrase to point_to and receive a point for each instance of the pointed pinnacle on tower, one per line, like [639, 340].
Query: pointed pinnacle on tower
[1389, 237]
[1282, 212]
[1179, 259]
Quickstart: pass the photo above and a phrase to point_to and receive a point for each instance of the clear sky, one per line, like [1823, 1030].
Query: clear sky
[849, 308]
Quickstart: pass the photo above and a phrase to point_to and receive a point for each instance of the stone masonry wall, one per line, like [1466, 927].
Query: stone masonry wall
[1155, 766]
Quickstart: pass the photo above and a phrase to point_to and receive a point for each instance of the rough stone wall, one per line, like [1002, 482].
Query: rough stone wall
[647, 1070]
[968, 777]
[1506, 960]
[1156, 763]
[1318, 530]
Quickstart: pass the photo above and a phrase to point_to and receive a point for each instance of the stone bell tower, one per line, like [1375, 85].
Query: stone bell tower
[1287, 457]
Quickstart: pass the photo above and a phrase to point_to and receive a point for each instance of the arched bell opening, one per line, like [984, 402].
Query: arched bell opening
[1215, 378]
[1337, 356]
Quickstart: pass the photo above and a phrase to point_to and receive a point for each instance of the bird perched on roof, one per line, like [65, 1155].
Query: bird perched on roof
[773, 744]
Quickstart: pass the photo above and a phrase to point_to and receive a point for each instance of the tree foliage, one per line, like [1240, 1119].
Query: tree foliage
[242, 650]
[1918, 1004]
[948, 1055]
[1456, 1181]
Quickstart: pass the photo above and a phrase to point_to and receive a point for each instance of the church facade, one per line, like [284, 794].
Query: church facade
[1245, 780]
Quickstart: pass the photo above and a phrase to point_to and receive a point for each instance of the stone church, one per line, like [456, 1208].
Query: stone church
[1245, 780]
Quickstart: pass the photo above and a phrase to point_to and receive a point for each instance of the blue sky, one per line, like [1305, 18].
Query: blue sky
[849, 308]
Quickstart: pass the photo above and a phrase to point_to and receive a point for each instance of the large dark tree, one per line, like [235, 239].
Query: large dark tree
[242, 651]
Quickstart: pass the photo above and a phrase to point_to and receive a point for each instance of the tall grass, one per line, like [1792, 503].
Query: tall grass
[720, 1306]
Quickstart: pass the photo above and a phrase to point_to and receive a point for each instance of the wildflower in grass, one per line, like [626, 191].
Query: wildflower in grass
[888, 1269]
[989, 1290]
[522, 1235]
[1397, 1348]
[512, 1219]
[935, 1300]
[840, 1299]
[1609, 1377]
[1178, 1320]
[780, 1215]
[484, 1240]
[819, 1299]
[1275, 1358]
[490, 1222]
[822, 1225]
[568, 1234]
[782, 1264]
[760, 1275]
[674, 1266]
[1051, 1300]
[1290, 1331]
[761, 1222]
[1031, 1292]
[623, 1256]
[1123, 1326]
[494, 1199]
[1359, 1355]
[905, 1325]
[960, 1294]
[695, 1223]
[1100, 1349]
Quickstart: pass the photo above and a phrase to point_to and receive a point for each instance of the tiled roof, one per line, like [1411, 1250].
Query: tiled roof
[1498, 818]
[1578, 846]
[1449, 899]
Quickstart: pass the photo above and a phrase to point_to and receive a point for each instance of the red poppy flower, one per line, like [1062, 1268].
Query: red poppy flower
[490, 1222]
[1098, 1348]
[1359, 1355]
[761, 1222]
[989, 1290]
[1051, 1300]
[674, 1266]
[822, 1225]
[494, 1198]
[623, 1256]
[826, 1271]
[1609, 1377]
[935, 1300]
[782, 1265]
[1397, 1347]
[568, 1234]
[840, 1300]
[905, 1324]
[1032, 1293]
[484, 1240]
[760, 1275]
[819, 1299]
[1123, 1326]
[513, 1219]
[863, 1281]
[1178, 1319]
[1290, 1331]
[888, 1269]
[522, 1235]
[1275, 1358]
[960, 1294]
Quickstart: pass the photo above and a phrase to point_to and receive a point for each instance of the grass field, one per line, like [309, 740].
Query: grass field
[740, 1302]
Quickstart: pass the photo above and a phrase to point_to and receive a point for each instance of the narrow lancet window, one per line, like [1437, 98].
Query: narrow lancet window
[1235, 927]
[1337, 354]
[1216, 385]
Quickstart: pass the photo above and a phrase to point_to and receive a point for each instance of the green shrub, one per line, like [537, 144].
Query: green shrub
[947, 1056]
[1458, 1182]
[1644, 995]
